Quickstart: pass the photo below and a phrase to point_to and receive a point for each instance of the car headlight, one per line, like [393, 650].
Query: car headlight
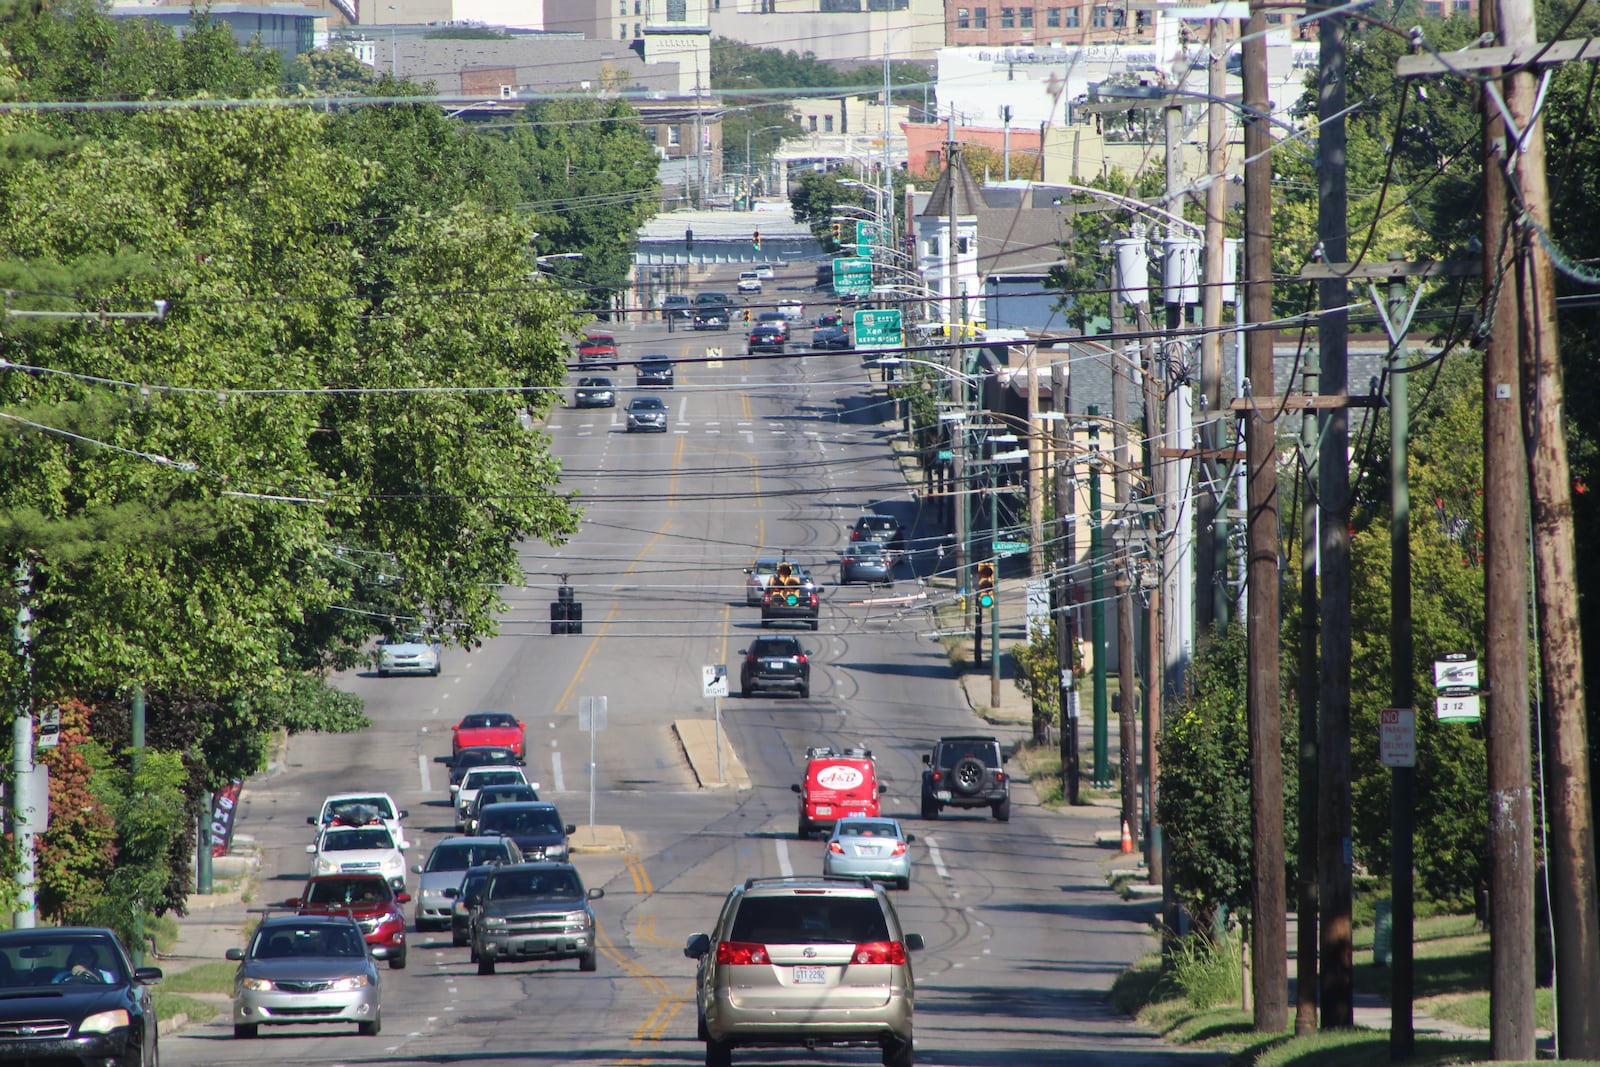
[493, 922]
[345, 985]
[324, 865]
[579, 920]
[255, 985]
[103, 1022]
[396, 862]
[555, 850]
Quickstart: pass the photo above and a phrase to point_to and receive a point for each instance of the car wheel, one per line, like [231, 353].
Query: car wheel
[398, 963]
[745, 692]
[436, 670]
[700, 1028]
[930, 808]
[485, 964]
[804, 831]
[898, 1053]
[472, 957]
[245, 1030]
[966, 777]
[904, 883]
[588, 962]
[718, 1054]
[382, 673]
[1002, 810]
[370, 1029]
[457, 940]
[805, 692]
[814, 624]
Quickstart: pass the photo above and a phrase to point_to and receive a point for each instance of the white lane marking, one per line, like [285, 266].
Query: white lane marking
[683, 408]
[784, 867]
[934, 855]
[422, 772]
[713, 431]
[555, 772]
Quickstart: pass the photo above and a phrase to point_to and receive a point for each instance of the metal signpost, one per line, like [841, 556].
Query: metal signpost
[714, 686]
[878, 329]
[591, 717]
[852, 276]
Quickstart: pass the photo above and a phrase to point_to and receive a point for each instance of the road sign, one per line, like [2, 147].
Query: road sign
[1455, 669]
[592, 714]
[868, 235]
[1010, 548]
[1458, 705]
[714, 680]
[713, 356]
[48, 734]
[852, 275]
[1038, 593]
[1397, 737]
[879, 328]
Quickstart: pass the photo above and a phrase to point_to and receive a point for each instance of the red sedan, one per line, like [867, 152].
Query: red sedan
[496, 729]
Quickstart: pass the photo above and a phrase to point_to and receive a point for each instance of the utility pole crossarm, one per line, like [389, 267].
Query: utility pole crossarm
[1548, 54]
[1302, 402]
[1424, 268]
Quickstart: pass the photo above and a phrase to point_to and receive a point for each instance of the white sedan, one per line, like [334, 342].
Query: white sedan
[412, 653]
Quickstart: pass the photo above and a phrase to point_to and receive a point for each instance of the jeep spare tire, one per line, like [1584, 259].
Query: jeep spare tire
[966, 777]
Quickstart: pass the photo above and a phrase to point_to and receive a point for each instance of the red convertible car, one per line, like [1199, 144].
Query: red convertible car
[497, 729]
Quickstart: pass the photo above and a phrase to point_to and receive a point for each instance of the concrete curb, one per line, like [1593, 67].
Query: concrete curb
[699, 740]
[598, 839]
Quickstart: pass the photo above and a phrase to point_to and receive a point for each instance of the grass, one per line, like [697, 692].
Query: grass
[171, 1005]
[215, 976]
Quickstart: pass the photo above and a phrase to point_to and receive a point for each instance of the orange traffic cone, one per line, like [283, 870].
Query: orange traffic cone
[1127, 837]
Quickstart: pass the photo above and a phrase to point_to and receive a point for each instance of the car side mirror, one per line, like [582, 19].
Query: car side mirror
[455, 787]
[404, 814]
[744, 652]
[596, 893]
[451, 892]
[927, 760]
[794, 788]
[311, 820]
[402, 898]
[911, 839]
[416, 868]
[882, 789]
[697, 947]
[311, 850]
[235, 954]
[569, 829]
[406, 847]
[913, 942]
[292, 902]
[147, 975]
[534, 786]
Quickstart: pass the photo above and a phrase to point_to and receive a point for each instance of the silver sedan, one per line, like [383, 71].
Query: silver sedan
[305, 969]
[869, 846]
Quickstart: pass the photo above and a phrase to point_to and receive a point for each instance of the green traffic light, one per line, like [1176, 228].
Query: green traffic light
[986, 600]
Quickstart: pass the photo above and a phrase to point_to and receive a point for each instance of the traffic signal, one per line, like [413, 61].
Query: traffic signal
[688, 240]
[755, 239]
[566, 614]
[747, 316]
[985, 585]
[838, 232]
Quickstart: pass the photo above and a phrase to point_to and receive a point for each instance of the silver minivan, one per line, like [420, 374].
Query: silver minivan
[805, 962]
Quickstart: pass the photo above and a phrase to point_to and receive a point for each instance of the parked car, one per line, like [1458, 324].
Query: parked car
[360, 809]
[837, 783]
[495, 729]
[370, 900]
[598, 350]
[71, 994]
[535, 911]
[594, 392]
[498, 794]
[765, 337]
[304, 969]
[866, 561]
[805, 962]
[358, 850]
[867, 847]
[409, 653]
[481, 778]
[655, 369]
[775, 662]
[647, 413]
[444, 868]
[677, 307]
[535, 826]
[830, 337]
[749, 282]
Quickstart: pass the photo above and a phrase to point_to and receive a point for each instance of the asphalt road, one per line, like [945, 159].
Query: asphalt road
[1022, 935]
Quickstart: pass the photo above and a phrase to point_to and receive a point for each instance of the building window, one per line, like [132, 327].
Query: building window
[677, 10]
[1099, 21]
[638, 30]
[963, 19]
[813, 119]
[1008, 18]
[1119, 17]
[1025, 18]
[1277, 20]
[1052, 17]
[980, 18]
[1072, 18]
[622, 32]
[827, 124]
[673, 136]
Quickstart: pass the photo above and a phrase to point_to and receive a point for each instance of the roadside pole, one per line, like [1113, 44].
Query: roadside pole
[23, 803]
[591, 717]
[1097, 608]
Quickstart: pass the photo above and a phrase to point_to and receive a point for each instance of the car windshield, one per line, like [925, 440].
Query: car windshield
[656, 362]
[354, 840]
[410, 639]
[509, 885]
[877, 525]
[502, 794]
[595, 383]
[321, 939]
[522, 821]
[788, 920]
[359, 809]
[448, 857]
[952, 753]
[49, 960]
[479, 779]
[648, 403]
[488, 720]
[348, 891]
[599, 340]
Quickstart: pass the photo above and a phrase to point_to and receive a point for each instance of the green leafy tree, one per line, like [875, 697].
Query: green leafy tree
[1088, 266]
[328, 71]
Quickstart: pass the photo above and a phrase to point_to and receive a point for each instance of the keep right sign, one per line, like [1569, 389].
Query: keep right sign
[1397, 737]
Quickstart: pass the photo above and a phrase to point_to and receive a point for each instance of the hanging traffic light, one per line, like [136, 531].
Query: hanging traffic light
[755, 239]
[985, 585]
[838, 232]
[688, 240]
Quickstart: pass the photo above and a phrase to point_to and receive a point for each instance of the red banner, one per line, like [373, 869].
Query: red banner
[224, 803]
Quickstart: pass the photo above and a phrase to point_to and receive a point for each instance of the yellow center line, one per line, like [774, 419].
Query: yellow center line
[672, 481]
[594, 642]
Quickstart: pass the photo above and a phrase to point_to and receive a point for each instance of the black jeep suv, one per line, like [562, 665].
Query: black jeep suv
[966, 772]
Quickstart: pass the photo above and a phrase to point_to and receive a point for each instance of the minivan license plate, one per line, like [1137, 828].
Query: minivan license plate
[810, 975]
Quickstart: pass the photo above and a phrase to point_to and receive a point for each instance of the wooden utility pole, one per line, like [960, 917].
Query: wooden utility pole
[1211, 597]
[1336, 957]
[1127, 577]
[1570, 814]
[1268, 951]
[1065, 616]
[1512, 976]
[1305, 987]
[1155, 658]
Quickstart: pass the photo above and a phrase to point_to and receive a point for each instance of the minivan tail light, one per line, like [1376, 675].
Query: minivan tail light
[891, 952]
[738, 953]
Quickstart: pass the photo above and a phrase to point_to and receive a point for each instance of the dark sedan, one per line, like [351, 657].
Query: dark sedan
[866, 561]
[72, 995]
[594, 393]
[655, 369]
[480, 756]
[830, 337]
[766, 337]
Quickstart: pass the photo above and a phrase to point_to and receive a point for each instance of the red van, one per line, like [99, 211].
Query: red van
[838, 782]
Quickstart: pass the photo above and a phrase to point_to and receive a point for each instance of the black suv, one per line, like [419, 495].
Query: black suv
[712, 311]
[966, 772]
[778, 662]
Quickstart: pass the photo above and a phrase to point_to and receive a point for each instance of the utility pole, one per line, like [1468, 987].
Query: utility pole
[1177, 555]
[1063, 613]
[1097, 605]
[1211, 600]
[958, 384]
[23, 803]
[1337, 955]
[1305, 1003]
[1127, 577]
[1268, 951]
[1155, 478]
[1512, 969]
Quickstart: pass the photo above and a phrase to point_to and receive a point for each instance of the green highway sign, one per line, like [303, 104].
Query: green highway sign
[868, 235]
[852, 275]
[1010, 548]
[878, 329]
